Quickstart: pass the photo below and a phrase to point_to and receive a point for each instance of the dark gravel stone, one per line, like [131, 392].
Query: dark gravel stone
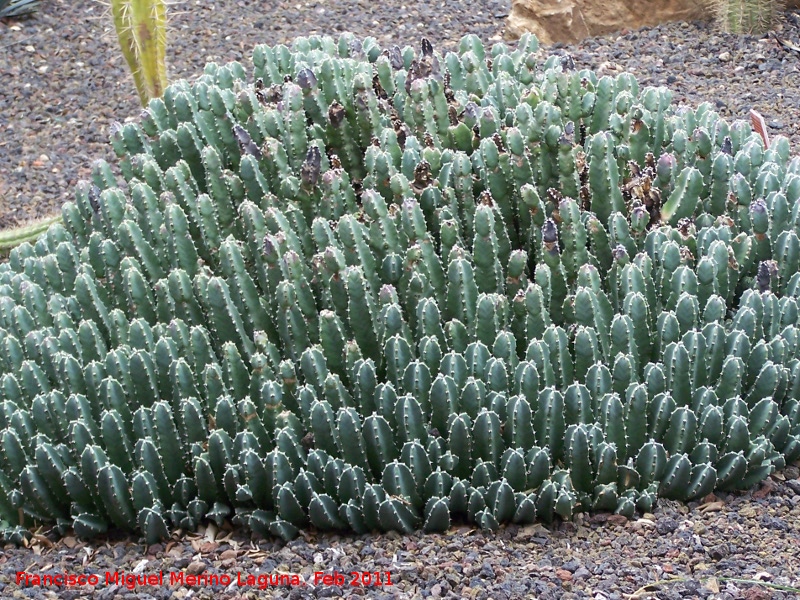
[774, 523]
[582, 573]
[666, 526]
[487, 571]
[718, 552]
[333, 591]
[794, 485]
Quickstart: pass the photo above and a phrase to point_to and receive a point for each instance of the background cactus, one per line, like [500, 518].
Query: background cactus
[11, 238]
[747, 16]
[361, 292]
[17, 8]
[141, 27]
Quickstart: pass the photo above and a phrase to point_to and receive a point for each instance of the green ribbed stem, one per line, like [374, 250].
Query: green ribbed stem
[753, 17]
[142, 31]
[11, 238]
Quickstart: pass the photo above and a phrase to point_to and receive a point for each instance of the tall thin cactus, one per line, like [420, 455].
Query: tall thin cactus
[747, 16]
[17, 8]
[29, 232]
[142, 31]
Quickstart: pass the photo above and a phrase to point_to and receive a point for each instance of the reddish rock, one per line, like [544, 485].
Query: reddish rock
[563, 575]
[228, 554]
[572, 20]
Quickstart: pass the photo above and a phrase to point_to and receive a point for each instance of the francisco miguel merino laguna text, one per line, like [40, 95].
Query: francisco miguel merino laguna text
[262, 580]
[134, 580]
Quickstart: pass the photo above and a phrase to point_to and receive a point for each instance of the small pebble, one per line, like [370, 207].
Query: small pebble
[563, 575]
[582, 573]
[196, 567]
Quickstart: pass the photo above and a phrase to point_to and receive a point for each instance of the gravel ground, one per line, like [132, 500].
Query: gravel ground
[63, 81]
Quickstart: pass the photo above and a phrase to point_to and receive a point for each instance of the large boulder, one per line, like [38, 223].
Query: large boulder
[572, 20]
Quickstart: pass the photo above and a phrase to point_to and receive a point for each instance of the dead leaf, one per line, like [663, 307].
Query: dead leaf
[618, 519]
[760, 126]
[765, 491]
[642, 591]
[787, 45]
[70, 542]
[537, 529]
[44, 541]
[711, 506]
[225, 537]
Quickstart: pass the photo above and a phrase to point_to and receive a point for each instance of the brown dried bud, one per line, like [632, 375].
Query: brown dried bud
[336, 114]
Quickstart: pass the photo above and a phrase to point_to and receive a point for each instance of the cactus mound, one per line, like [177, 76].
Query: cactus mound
[380, 290]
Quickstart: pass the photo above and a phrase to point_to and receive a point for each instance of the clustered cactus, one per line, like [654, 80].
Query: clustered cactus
[383, 290]
[141, 27]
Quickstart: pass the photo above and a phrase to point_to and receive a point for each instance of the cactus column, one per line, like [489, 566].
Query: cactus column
[142, 32]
